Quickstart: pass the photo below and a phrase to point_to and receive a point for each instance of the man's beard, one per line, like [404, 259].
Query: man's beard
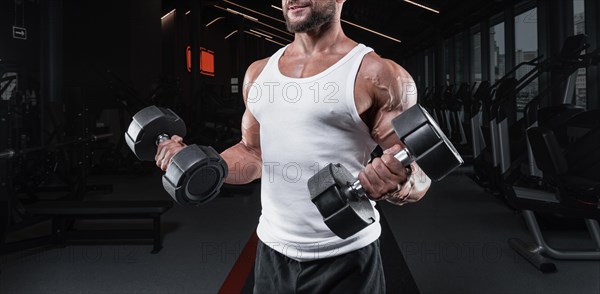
[315, 19]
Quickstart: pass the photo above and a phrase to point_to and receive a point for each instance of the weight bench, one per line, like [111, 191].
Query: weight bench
[64, 213]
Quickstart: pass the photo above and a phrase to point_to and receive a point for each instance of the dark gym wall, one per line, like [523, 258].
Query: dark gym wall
[120, 35]
[96, 38]
[145, 49]
[112, 59]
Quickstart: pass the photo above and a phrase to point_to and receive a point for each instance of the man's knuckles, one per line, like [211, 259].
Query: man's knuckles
[392, 163]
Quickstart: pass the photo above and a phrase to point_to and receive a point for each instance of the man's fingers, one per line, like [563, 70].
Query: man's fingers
[393, 165]
[378, 184]
[177, 139]
[393, 150]
[384, 173]
[382, 176]
[366, 183]
[166, 160]
[159, 153]
[166, 150]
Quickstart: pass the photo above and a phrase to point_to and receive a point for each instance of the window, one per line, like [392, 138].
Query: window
[579, 22]
[476, 57]
[448, 61]
[497, 52]
[459, 58]
[426, 70]
[430, 67]
[579, 16]
[526, 49]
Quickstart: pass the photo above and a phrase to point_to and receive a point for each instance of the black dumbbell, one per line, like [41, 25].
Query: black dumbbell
[195, 174]
[341, 199]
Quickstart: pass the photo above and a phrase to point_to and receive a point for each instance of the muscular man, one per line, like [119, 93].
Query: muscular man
[323, 98]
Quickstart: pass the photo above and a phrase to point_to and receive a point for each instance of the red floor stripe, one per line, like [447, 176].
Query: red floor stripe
[241, 269]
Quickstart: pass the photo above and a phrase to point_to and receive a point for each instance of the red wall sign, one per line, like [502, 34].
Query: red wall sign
[207, 61]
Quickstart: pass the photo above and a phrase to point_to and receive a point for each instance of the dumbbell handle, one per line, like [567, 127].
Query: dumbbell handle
[161, 138]
[403, 156]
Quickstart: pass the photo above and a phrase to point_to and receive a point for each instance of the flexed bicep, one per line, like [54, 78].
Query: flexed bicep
[395, 92]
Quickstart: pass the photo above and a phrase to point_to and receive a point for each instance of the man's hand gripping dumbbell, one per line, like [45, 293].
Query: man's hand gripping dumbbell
[343, 200]
[194, 174]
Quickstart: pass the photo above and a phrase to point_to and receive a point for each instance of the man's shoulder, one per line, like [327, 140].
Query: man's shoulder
[252, 74]
[383, 79]
[255, 69]
[375, 65]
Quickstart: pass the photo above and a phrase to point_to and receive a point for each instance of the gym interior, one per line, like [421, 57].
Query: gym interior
[513, 85]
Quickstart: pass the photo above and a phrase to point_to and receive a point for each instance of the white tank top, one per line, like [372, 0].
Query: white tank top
[305, 124]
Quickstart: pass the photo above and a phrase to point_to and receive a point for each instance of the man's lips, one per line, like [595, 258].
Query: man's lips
[295, 7]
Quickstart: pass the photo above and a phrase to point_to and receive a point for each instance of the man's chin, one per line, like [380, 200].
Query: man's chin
[296, 28]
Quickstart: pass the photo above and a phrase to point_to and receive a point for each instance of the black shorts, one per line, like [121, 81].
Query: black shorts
[359, 271]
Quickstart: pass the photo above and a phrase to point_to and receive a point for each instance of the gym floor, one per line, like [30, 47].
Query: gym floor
[453, 241]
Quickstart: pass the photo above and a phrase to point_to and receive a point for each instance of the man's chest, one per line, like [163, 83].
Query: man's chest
[295, 67]
[305, 67]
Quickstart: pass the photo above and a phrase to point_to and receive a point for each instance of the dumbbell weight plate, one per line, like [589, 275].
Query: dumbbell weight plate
[147, 125]
[432, 150]
[195, 175]
[343, 213]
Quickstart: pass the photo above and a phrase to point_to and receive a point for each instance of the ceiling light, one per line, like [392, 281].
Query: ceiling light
[214, 20]
[231, 34]
[259, 13]
[261, 37]
[371, 31]
[252, 19]
[262, 34]
[275, 42]
[169, 13]
[253, 34]
[422, 6]
[238, 13]
[271, 34]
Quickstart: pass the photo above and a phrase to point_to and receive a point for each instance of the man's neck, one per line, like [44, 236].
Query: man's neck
[320, 40]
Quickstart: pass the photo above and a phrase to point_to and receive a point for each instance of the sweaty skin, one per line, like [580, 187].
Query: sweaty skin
[383, 89]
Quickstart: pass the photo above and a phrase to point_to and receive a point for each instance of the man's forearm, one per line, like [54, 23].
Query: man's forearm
[244, 164]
